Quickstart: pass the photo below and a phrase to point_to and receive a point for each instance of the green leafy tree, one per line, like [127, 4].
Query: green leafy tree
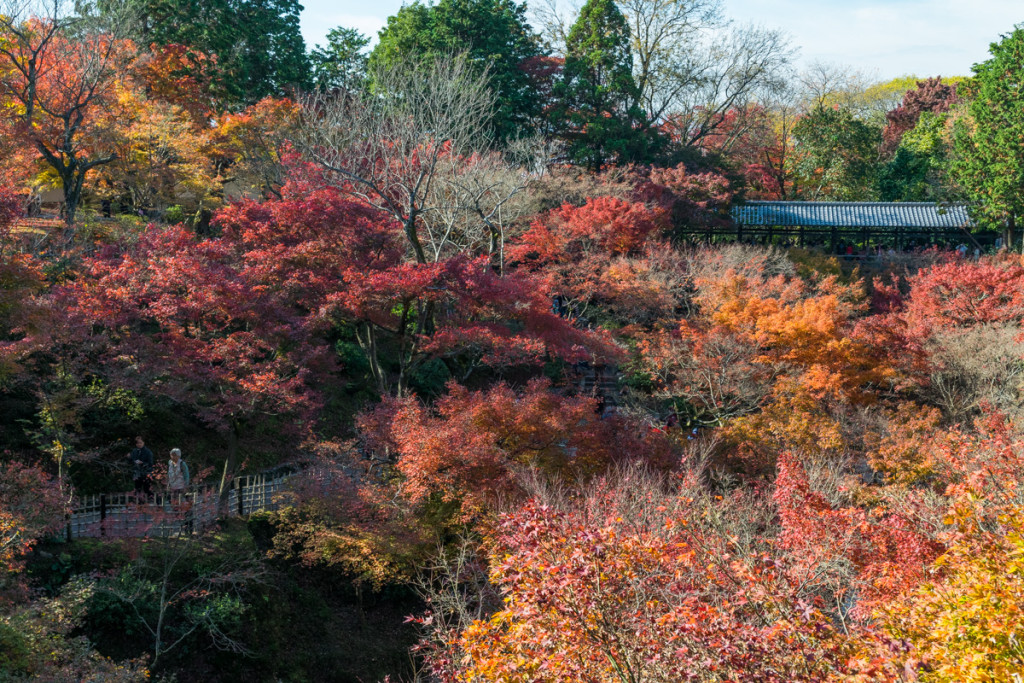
[905, 178]
[257, 45]
[918, 170]
[494, 34]
[837, 155]
[597, 111]
[341, 63]
[989, 161]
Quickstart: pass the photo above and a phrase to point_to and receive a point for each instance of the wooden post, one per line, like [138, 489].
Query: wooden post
[103, 514]
[241, 497]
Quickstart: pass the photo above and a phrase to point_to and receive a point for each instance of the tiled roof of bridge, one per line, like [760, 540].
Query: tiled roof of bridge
[853, 214]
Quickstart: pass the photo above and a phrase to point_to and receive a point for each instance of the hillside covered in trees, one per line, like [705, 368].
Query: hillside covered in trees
[443, 285]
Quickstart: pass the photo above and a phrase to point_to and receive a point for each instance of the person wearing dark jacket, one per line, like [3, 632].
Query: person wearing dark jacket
[142, 467]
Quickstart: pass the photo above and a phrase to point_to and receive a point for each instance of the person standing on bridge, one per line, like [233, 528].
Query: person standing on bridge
[177, 472]
[142, 466]
[177, 483]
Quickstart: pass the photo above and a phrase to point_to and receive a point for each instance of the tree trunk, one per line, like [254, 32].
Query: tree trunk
[414, 238]
[427, 324]
[1008, 232]
[495, 250]
[72, 197]
[71, 189]
[367, 339]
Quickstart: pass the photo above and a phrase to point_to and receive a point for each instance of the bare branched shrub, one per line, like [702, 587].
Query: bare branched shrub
[977, 367]
[829, 477]
[477, 200]
[455, 587]
[646, 500]
[927, 508]
[569, 185]
[388, 147]
[710, 265]
[722, 382]
[728, 69]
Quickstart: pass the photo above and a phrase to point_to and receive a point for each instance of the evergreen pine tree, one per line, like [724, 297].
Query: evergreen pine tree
[989, 159]
[598, 113]
[257, 44]
[341, 63]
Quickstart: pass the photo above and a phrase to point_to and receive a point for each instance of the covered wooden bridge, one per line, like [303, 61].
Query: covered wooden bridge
[834, 225]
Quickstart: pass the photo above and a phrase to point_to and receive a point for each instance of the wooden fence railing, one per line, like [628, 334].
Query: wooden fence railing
[127, 515]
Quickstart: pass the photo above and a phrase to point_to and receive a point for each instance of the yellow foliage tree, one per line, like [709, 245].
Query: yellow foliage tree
[968, 623]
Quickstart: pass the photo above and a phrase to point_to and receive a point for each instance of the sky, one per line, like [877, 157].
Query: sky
[882, 38]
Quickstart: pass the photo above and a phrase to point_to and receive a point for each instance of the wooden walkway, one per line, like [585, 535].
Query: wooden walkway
[122, 515]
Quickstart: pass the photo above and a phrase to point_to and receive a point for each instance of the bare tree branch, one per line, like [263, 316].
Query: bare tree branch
[389, 146]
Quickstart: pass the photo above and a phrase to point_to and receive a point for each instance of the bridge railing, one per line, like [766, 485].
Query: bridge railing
[126, 514]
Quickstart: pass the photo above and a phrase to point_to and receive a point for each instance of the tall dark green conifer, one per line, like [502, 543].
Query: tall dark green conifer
[989, 159]
[496, 36]
[597, 110]
[341, 63]
[258, 47]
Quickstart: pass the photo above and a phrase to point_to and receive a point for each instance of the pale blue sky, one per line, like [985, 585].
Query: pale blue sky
[885, 38]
